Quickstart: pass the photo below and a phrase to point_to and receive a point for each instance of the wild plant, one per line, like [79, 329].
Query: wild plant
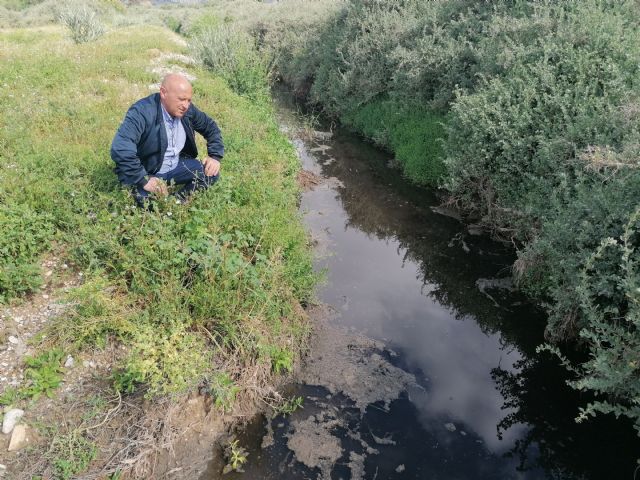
[83, 23]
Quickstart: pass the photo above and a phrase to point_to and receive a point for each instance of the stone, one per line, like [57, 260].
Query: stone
[10, 420]
[69, 362]
[20, 438]
[400, 468]
[450, 426]
[13, 340]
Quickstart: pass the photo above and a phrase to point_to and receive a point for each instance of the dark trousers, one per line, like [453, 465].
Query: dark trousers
[189, 173]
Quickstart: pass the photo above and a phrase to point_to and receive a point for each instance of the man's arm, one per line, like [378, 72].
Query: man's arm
[124, 149]
[205, 126]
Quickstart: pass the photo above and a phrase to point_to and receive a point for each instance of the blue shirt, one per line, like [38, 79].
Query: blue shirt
[176, 138]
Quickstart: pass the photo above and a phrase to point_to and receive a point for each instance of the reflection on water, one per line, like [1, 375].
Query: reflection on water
[400, 273]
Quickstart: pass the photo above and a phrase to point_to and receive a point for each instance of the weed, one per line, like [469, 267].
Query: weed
[281, 360]
[43, 374]
[290, 406]
[9, 396]
[128, 379]
[71, 454]
[117, 475]
[236, 457]
[223, 390]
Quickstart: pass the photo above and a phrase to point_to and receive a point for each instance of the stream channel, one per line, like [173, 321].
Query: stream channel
[423, 365]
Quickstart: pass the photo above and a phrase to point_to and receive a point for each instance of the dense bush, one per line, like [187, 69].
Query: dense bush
[540, 105]
[513, 140]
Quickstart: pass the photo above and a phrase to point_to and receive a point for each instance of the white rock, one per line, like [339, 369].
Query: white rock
[10, 420]
[19, 438]
[69, 362]
[450, 426]
[13, 340]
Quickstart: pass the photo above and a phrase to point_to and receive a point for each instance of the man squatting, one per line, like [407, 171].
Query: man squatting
[155, 144]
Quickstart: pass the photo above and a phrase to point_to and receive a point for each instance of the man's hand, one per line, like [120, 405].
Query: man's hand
[211, 166]
[157, 186]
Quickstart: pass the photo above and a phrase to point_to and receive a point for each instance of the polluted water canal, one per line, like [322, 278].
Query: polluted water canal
[422, 364]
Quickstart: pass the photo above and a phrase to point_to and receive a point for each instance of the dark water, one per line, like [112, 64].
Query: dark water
[420, 282]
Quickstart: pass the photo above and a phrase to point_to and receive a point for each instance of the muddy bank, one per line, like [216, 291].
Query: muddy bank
[355, 368]
[351, 364]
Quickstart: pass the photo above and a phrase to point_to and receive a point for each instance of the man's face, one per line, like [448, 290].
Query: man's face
[176, 98]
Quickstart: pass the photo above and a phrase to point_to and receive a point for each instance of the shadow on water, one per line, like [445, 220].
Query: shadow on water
[484, 405]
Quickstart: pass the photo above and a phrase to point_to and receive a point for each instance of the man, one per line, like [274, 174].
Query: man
[155, 144]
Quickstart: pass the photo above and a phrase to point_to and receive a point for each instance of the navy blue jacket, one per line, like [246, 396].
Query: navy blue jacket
[141, 141]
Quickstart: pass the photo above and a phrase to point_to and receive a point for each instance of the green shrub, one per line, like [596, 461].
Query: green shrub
[26, 234]
[231, 53]
[512, 141]
[83, 23]
[224, 391]
[203, 23]
[608, 295]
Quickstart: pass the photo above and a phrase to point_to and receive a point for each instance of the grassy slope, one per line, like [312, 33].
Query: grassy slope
[193, 292]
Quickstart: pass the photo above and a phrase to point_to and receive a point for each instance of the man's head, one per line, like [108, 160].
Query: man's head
[175, 94]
